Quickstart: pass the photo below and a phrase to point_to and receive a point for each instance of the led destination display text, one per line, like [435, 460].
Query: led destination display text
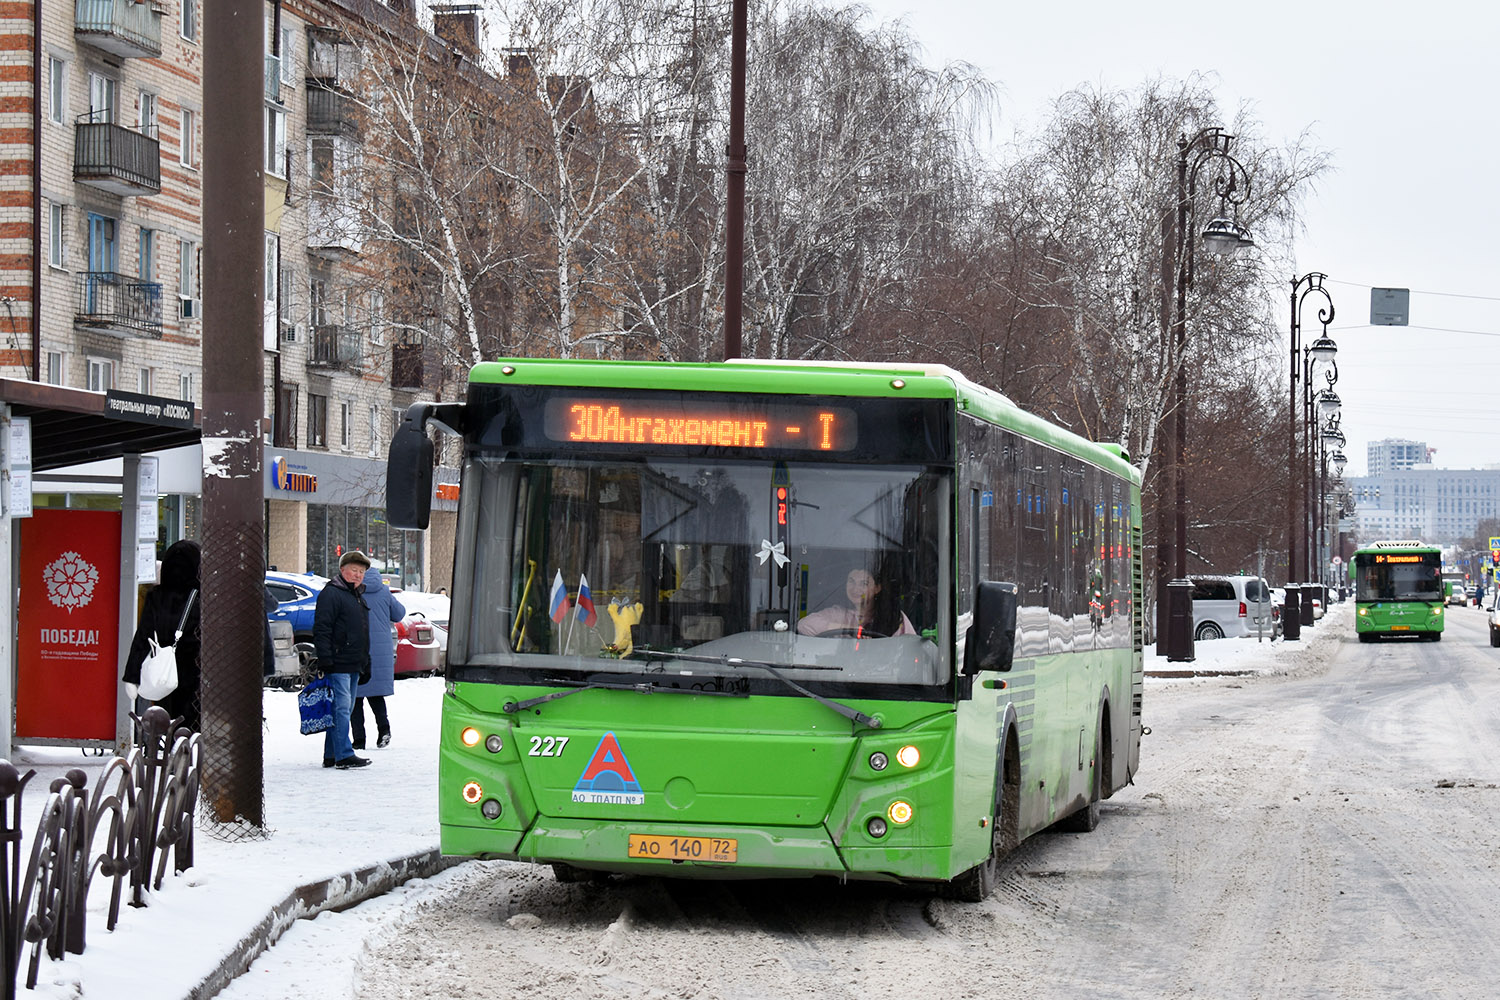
[693, 424]
[1404, 559]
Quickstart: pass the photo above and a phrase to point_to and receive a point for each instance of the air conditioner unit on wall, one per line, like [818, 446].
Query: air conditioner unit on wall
[292, 333]
[190, 308]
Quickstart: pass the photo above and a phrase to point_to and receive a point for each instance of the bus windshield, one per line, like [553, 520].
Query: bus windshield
[1399, 577]
[829, 570]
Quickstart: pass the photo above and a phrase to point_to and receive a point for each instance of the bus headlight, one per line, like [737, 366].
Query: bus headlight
[1437, 611]
[908, 756]
[472, 792]
[470, 736]
[878, 761]
[1363, 612]
[490, 809]
[899, 812]
[876, 826]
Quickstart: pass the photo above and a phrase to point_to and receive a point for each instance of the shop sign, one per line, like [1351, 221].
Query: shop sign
[285, 477]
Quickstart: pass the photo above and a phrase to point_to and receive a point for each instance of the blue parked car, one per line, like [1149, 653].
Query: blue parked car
[297, 598]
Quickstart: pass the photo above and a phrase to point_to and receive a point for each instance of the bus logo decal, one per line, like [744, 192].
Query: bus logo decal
[608, 778]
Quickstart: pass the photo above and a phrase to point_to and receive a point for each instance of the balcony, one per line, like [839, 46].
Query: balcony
[333, 228]
[407, 368]
[335, 347]
[117, 304]
[128, 29]
[328, 110]
[116, 159]
[331, 57]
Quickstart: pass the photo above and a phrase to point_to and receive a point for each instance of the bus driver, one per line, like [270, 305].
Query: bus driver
[866, 614]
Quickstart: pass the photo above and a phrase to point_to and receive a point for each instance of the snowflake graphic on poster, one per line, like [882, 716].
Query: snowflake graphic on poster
[70, 581]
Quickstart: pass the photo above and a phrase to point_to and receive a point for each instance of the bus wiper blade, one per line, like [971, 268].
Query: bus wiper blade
[593, 683]
[853, 714]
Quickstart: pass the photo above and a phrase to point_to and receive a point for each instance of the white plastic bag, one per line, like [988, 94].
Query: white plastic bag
[159, 671]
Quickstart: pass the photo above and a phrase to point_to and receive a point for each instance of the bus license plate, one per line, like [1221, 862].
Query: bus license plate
[722, 850]
[1400, 628]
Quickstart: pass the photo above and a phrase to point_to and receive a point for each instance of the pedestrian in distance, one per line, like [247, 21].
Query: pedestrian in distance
[384, 610]
[341, 635]
[160, 616]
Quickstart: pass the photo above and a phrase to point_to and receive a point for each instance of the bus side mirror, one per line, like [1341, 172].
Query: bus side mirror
[992, 636]
[408, 474]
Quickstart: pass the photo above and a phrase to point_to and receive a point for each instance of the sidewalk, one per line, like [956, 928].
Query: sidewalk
[335, 838]
[340, 837]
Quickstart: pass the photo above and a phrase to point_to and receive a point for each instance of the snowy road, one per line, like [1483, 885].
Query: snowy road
[1329, 833]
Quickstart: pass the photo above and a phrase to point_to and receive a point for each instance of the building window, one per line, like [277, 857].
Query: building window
[377, 319]
[143, 382]
[101, 375]
[57, 86]
[104, 101]
[346, 417]
[317, 421]
[185, 387]
[284, 425]
[57, 246]
[187, 141]
[187, 277]
[146, 254]
[288, 57]
[54, 374]
[189, 26]
[147, 114]
[276, 142]
[374, 430]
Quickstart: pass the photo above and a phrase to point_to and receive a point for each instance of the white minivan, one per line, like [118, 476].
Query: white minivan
[1235, 606]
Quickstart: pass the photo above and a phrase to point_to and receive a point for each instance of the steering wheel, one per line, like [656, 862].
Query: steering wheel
[851, 633]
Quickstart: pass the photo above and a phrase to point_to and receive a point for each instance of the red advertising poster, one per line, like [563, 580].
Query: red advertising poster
[68, 624]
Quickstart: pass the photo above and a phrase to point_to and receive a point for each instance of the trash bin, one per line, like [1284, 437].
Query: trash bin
[1180, 621]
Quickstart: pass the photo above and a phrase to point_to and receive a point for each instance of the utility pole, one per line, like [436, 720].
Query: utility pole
[232, 579]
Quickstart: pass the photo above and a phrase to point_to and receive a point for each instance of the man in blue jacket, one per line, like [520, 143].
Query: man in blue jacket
[341, 633]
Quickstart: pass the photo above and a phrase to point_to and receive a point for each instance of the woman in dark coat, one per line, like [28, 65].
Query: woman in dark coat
[159, 618]
[384, 610]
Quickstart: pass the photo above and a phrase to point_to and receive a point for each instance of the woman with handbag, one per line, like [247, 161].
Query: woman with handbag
[172, 605]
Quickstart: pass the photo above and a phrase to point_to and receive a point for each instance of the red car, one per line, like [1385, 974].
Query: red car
[417, 649]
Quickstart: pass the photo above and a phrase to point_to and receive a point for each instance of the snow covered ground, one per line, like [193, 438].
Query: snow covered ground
[326, 823]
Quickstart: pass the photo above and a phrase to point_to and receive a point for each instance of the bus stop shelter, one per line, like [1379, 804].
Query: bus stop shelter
[62, 666]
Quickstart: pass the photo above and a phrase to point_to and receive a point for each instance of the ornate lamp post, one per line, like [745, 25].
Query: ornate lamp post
[1222, 236]
[1296, 613]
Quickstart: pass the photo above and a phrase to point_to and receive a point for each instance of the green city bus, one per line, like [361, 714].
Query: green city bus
[776, 619]
[1398, 590]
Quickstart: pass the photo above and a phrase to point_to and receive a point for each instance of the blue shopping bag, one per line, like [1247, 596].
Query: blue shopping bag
[315, 703]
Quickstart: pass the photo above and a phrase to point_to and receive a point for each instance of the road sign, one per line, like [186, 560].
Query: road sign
[1495, 543]
[1389, 306]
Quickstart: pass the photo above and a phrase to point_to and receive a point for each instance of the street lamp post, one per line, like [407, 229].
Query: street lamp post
[1296, 613]
[1319, 411]
[1223, 236]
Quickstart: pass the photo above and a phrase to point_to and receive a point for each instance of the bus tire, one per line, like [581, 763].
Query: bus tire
[1494, 637]
[1086, 820]
[976, 884]
[1367, 637]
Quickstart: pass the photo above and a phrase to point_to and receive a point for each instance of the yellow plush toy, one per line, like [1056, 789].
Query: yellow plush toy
[625, 616]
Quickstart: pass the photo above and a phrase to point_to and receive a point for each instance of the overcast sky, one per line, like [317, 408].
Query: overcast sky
[1402, 96]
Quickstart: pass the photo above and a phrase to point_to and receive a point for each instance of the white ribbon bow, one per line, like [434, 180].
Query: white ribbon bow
[777, 551]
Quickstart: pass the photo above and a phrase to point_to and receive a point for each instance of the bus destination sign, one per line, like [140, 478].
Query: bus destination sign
[693, 423]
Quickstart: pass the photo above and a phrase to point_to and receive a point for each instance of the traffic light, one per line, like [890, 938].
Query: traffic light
[1495, 556]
